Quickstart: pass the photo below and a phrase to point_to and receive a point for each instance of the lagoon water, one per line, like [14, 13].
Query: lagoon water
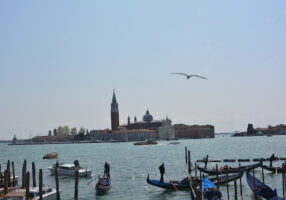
[131, 164]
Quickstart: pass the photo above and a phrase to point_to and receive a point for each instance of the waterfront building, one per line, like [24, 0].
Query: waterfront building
[166, 131]
[123, 135]
[194, 131]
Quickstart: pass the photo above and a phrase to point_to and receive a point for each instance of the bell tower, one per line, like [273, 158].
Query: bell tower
[114, 113]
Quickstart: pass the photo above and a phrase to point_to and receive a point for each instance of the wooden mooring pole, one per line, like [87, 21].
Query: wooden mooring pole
[1, 178]
[6, 182]
[189, 161]
[216, 167]
[9, 173]
[186, 149]
[24, 171]
[240, 184]
[76, 185]
[262, 171]
[227, 188]
[196, 173]
[34, 174]
[235, 190]
[283, 179]
[27, 181]
[57, 181]
[13, 174]
[41, 184]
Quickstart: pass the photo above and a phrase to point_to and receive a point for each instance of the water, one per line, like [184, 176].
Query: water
[131, 164]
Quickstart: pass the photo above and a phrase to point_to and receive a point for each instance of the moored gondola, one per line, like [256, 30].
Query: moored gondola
[210, 190]
[226, 169]
[220, 180]
[260, 189]
[103, 185]
[171, 185]
[274, 169]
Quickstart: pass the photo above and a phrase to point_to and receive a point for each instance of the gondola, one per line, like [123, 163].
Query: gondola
[220, 180]
[260, 189]
[274, 169]
[103, 185]
[171, 185]
[230, 170]
[184, 184]
[210, 190]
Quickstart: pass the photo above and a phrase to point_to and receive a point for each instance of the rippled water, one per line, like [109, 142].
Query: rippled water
[130, 164]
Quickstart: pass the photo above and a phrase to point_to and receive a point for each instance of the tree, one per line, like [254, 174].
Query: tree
[50, 133]
[63, 130]
[87, 135]
[73, 131]
[81, 131]
[55, 132]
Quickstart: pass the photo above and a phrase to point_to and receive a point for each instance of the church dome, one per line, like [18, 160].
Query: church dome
[147, 117]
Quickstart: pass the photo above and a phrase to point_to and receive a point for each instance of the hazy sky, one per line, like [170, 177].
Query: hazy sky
[61, 60]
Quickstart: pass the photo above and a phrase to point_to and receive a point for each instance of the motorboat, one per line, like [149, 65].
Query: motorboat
[52, 155]
[69, 170]
[146, 142]
[48, 193]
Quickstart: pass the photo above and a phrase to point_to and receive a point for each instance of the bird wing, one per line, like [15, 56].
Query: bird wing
[181, 74]
[198, 76]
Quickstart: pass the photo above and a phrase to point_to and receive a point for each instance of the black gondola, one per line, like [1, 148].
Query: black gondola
[210, 190]
[184, 184]
[260, 189]
[171, 185]
[230, 170]
[274, 169]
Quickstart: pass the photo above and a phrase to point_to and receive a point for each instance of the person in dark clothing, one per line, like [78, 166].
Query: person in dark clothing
[107, 170]
[206, 160]
[162, 172]
[272, 157]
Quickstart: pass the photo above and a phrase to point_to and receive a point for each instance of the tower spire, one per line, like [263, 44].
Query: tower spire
[114, 112]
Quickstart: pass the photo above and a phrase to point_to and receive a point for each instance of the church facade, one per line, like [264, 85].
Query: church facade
[134, 131]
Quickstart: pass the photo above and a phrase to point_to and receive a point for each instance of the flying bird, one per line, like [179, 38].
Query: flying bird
[190, 75]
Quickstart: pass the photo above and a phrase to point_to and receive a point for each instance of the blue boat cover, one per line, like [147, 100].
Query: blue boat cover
[206, 183]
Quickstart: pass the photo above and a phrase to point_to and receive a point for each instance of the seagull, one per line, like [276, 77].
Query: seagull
[190, 75]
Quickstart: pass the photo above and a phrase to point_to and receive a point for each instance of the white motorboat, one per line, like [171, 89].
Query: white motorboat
[69, 170]
[48, 193]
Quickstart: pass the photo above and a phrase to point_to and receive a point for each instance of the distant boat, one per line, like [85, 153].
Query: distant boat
[69, 170]
[146, 142]
[210, 190]
[48, 193]
[50, 155]
[174, 143]
[260, 189]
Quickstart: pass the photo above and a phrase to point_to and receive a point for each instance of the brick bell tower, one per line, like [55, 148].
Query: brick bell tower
[114, 113]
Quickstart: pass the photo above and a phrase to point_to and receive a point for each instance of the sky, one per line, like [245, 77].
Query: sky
[61, 60]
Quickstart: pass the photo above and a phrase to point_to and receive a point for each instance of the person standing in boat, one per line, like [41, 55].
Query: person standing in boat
[272, 157]
[76, 165]
[107, 170]
[206, 160]
[162, 172]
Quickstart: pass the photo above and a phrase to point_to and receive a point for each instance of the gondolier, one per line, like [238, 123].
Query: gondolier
[272, 157]
[107, 170]
[206, 160]
[162, 172]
